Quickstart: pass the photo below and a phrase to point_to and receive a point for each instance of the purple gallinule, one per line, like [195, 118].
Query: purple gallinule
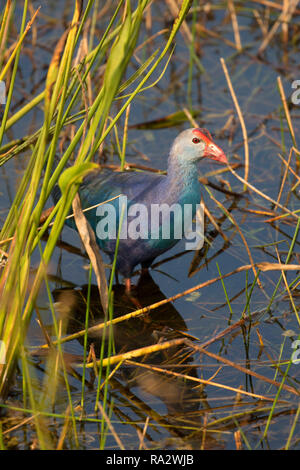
[180, 186]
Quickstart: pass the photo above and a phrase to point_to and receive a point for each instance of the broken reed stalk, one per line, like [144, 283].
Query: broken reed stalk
[235, 25]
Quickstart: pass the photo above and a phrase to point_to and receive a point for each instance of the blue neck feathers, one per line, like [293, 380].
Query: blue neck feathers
[182, 184]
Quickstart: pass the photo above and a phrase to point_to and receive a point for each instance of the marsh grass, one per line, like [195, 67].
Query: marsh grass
[75, 99]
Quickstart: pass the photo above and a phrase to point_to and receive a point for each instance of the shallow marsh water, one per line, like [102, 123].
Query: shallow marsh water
[173, 412]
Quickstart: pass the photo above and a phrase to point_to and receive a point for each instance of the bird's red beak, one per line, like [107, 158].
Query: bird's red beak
[215, 153]
[211, 151]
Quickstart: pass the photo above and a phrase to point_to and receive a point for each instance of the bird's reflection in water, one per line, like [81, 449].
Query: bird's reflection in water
[162, 324]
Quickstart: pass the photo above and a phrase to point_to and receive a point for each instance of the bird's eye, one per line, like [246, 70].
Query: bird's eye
[195, 140]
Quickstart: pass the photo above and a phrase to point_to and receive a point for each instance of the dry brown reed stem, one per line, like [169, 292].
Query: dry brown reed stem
[34, 30]
[232, 219]
[265, 266]
[286, 110]
[289, 168]
[261, 23]
[111, 428]
[284, 17]
[277, 6]
[263, 195]
[284, 26]
[228, 330]
[241, 119]
[107, 378]
[150, 39]
[148, 18]
[142, 435]
[238, 440]
[257, 212]
[243, 369]
[279, 217]
[261, 342]
[235, 25]
[284, 178]
[215, 224]
[288, 289]
[137, 352]
[190, 117]
[198, 380]
[201, 29]
[64, 431]
[17, 426]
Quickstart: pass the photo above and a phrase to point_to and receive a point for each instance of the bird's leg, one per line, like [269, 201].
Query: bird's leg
[130, 295]
[128, 285]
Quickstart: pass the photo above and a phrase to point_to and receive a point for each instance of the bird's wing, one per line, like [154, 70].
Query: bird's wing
[102, 185]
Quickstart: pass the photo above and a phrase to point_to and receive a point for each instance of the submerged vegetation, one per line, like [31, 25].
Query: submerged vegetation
[214, 363]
